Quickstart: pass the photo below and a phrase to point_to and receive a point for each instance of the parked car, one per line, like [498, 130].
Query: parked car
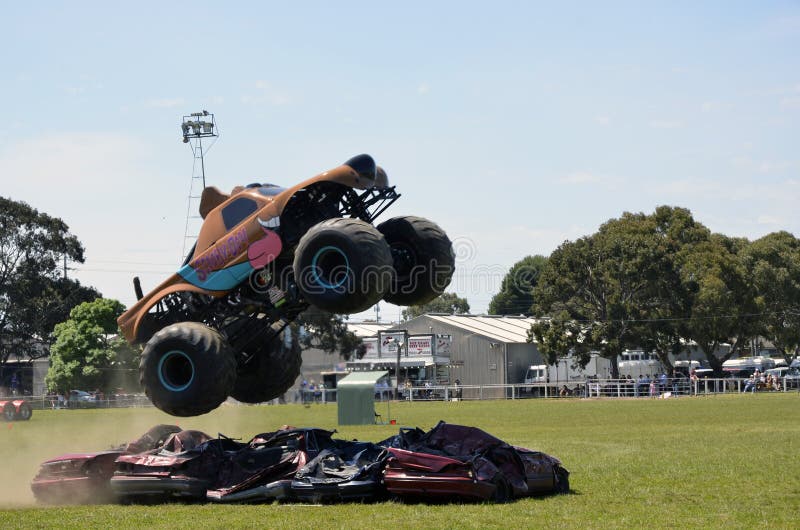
[80, 478]
[80, 399]
[458, 462]
[791, 377]
[15, 409]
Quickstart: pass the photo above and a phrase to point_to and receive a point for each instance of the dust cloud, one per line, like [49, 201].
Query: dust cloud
[50, 433]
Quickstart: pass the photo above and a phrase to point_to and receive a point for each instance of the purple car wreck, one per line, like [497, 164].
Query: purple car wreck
[454, 462]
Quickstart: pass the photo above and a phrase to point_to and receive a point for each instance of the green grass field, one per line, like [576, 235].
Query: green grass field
[721, 461]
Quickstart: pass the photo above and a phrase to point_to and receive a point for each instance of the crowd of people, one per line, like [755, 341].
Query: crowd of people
[761, 381]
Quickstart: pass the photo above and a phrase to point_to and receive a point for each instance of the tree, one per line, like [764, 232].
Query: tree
[87, 351]
[315, 328]
[773, 264]
[34, 291]
[449, 303]
[676, 234]
[516, 291]
[723, 298]
[598, 288]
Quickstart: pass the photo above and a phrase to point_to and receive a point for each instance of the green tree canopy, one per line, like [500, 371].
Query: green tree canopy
[723, 304]
[34, 292]
[516, 291]
[449, 303]
[773, 263]
[605, 292]
[315, 328]
[86, 353]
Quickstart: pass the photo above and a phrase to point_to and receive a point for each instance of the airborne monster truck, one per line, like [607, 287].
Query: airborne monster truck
[263, 255]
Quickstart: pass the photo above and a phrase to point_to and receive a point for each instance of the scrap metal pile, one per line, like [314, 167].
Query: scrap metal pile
[449, 463]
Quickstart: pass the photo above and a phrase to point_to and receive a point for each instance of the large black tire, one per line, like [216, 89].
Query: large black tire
[269, 374]
[9, 412]
[502, 489]
[24, 413]
[562, 480]
[187, 369]
[423, 259]
[343, 266]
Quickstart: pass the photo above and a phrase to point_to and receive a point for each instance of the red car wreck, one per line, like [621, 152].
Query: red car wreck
[454, 462]
[82, 478]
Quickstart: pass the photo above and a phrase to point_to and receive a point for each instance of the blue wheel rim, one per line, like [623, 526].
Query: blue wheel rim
[167, 361]
[316, 269]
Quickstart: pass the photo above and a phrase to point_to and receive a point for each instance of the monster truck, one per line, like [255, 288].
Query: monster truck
[264, 255]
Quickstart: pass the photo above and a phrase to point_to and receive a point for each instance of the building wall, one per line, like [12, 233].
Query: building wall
[520, 357]
[479, 360]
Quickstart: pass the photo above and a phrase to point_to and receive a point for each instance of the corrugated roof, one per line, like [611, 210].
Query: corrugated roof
[367, 329]
[361, 378]
[502, 329]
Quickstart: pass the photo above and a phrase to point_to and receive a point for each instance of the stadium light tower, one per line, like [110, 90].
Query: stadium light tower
[195, 127]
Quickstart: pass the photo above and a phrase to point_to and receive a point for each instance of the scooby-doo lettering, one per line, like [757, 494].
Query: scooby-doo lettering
[224, 251]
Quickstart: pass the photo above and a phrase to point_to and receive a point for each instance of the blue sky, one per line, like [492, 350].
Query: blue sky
[514, 125]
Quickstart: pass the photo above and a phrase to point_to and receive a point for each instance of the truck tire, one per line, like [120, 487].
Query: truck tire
[502, 489]
[343, 266]
[187, 369]
[423, 259]
[269, 374]
[9, 411]
[24, 413]
[562, 480]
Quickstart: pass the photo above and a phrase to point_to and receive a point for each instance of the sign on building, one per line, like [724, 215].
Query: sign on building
[389, 341]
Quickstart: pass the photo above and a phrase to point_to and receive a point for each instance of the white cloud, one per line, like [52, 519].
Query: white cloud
[423, 89]
[266, 94]
[790, 103]
[165, 103]
[764, 166]
[602, 120]
[768, 220]
[713, 106]
[580, 177]
[75, 90]
[665, 124]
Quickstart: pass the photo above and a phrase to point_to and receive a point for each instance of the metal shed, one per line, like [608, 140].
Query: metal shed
[356, 397]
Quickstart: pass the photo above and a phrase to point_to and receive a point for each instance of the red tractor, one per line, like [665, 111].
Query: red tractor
[15, 409]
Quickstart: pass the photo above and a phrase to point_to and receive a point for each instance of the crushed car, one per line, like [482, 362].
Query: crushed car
[455, 462]
[192, 465]
[345, 471]
[81, 478]
[449, 463]
[265, 254]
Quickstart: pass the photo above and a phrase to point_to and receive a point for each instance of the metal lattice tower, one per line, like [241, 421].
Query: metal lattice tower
[195, 127]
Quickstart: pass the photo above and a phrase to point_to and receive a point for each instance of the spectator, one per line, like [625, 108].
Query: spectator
[750, 384]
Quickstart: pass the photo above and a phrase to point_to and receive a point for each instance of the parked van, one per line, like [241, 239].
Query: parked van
[746, 366]
[636, 363]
